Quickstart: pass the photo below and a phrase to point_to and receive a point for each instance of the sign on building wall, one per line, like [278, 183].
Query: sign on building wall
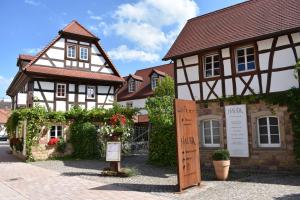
[188, 157]
[237, 131]
[113, 151]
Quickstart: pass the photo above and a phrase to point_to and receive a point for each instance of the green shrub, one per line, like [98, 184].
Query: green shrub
[83, 136]
[61, 145]
[221, 154]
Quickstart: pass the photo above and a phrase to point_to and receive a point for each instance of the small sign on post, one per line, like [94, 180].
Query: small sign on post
[113, 155]
[188, 156]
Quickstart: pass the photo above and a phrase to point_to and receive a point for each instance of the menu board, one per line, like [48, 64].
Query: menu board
[237, 131]
[113, 151]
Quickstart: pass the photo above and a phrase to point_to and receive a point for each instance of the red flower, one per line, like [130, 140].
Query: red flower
[118, 119]
[53, 141]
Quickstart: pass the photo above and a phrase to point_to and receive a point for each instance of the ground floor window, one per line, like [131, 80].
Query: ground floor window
[268, 131]
[210, 133]
[56, 131]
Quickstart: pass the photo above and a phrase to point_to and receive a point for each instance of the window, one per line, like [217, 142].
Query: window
[210, 133]
[84, 53]
[245, 59]
[129, 105]
[56, 131]
[90, 92]
[154, 81]
[71, 51]
[268, 132]
[131, 86]
[212, 65]
[61, 90]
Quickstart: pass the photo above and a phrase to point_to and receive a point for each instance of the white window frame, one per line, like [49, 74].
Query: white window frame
[212, 65]
[269, 134]
[154, 81]
[87, 53]
[131, 85]
[244, 48]
[68, 47]
[87, 88]
[62, 131]
[211, 133]
[129, 104]
[65, 88]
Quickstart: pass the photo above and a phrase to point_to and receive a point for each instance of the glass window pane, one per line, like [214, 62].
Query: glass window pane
[274, 130]
[208, 59]
[262, 121]
[52, 131]
[240, 52]
[274, 139]
[250, 58]
[264, 139]
[241, 67]
[250, 51]
[206, 124]
[208, 66]
[216, 58]
[216, 131]
[208, 73]
[251, 65]
[216, 65]
[273, 120]
[207, 139]
[216, 139]
[241, 59]
[215, 123]
[217, 72]
[263, 130]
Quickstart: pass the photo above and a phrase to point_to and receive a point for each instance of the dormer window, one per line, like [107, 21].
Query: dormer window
[84, 53]
[154, 81]
[71, 51]
[131, 85]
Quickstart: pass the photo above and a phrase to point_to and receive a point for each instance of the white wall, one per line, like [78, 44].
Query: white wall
[137, 103]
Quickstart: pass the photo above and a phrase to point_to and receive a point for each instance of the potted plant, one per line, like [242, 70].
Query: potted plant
[221, 161]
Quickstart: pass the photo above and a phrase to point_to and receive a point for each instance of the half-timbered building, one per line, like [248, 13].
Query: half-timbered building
[246, 49]
[73, 69]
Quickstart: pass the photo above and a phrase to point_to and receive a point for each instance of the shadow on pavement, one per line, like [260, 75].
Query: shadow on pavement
[5, 153]
[289, 197]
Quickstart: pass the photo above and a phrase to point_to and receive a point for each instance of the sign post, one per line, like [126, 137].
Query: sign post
[237, 131]
[188, 157]
[113, 155]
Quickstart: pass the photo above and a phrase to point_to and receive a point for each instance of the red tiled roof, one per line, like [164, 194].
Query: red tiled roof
[159, 72]
[139, 78]
[71, 73]
[4, 115]
[75, 28]
[248, 20]
[26, 57]
[144, 88]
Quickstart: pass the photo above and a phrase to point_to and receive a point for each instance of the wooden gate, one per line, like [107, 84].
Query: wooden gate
[188, 157]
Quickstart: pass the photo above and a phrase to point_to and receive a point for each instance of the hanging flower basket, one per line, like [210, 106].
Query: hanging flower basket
[53, 141]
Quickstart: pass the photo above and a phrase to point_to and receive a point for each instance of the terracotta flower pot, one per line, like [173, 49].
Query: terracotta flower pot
[221, 169]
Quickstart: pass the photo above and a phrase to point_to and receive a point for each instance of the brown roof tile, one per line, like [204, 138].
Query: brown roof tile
[76, 28]
[139, 78]
[26, 57]
[248, 20]
[144, 88]
[71, 73]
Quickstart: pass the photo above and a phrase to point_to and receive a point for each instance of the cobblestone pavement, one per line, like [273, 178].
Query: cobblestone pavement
[81, 180]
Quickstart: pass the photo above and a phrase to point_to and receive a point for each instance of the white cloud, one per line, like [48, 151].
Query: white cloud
[32, 2]
[125, 54]
[5, 81]
[151, 24]
[93, 16]
[32, 50]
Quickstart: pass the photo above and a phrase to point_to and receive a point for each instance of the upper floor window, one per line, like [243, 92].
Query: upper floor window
[245, 59]
[71, 51]
[84, 53]
[131, 85]
[129, 104]
[56, 132]
[61, 90]
[210, 133]
[268, 131]
[90, 92]
[212, 65]
[154, 81]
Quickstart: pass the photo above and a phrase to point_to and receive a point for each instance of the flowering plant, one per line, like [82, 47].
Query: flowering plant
[53, 141]
[117, 125]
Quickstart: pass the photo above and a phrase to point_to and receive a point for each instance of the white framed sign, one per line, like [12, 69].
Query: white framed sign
[237, 130]
[113, 151]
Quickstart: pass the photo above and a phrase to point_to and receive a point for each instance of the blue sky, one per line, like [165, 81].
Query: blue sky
[136, 34]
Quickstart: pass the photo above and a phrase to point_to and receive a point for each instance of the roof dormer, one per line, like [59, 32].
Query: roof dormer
[155, 76]
[133, 82]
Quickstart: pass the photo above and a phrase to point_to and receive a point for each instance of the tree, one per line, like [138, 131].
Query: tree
[162, 141]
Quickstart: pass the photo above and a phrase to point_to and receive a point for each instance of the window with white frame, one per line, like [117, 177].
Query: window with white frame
[60, 90]
[154, 81]
[129, 104]
[90, 92]
[245, 59]
[210, 133]
[212, 65]
[84, 53]
[71, 51]
[131, 85]
[56, 131]
[268, 131]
